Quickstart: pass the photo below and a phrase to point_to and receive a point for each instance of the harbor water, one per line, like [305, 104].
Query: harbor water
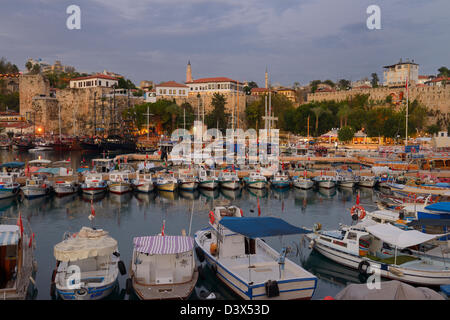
[136, 214]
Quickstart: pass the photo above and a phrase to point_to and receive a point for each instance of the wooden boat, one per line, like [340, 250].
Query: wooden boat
[207, 180]
[302, 182]
[94, 184]
[233, 249]
[255, 180]
[162, 267]
[229, 180]
[17, 263]
[64, 188]
[37, 186]
[8, 187]
[326, 182]
[345, 181]
[167, 182]
[367, 181]
[144, 183]
[384, 249]
[280, 180]
[87, 266]
[187, 182]
[119, 182]
[405, 190]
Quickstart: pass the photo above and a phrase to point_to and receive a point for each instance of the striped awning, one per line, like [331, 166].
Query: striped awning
[9, 235]
[163, 244]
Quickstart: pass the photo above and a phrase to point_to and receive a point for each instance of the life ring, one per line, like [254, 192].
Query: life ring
[361, 212]
[211, 217]
[363, 267]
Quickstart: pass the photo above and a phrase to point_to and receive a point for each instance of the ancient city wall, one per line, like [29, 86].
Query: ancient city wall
[434, 97]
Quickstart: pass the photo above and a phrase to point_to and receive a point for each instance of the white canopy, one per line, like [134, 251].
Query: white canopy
[86, 244]
[399, 238]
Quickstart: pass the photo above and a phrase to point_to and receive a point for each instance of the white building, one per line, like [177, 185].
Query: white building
[397, 74]
[214, 85]
[150, 96]
[172, 89]
[97, 80]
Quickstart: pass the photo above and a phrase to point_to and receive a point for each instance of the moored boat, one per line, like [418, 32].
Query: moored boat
[8, 187]
[280, 180]
[87, 266]
[232, 247]
[229, 180]
[255, 180]
[94, 184]
[64, 188]
[162, 267]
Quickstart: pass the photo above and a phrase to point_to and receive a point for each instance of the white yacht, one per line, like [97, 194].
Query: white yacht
[256, 180]
[144, 183]
[229, 180]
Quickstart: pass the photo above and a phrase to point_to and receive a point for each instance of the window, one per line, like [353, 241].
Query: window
[107, 83]
[351, 236]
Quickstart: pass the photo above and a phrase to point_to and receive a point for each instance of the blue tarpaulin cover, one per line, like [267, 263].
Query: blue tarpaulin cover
[53, 171]
[257, 227]
[12, 165]
[439, 206]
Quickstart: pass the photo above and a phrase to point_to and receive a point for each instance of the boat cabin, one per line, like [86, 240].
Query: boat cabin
[10, 257]
[103, 165]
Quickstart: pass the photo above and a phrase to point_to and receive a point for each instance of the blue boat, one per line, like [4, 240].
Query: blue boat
[439, 210]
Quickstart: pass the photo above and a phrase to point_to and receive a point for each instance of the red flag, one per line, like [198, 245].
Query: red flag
[20, 224]
[304, 173]
[357, 199]
[164, 225]
[259, 209]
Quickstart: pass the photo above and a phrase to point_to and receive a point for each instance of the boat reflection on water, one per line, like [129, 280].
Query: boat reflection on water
[330, 271]
[35, 202]
[259, 193]
[120, 198]
[190, 195]
[345, 194]
[303, 197]
[93, 197]
[327, 193]
[168, 195]
[231, 194]
[209, 194]
[145, 198]
[367, 194]
[5, 204]
[65, 200]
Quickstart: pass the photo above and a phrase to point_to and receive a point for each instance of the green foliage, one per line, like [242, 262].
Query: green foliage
[125, 84]
[10, 101]
[346, 134]
[443, 72]
[344, 84]
[374, 80]
[7, 67]
[165, 112]
[218, 117]
[433, 129]
[248, 88]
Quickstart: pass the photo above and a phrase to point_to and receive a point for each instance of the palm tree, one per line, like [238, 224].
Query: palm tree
[343, 113]
[318, 111]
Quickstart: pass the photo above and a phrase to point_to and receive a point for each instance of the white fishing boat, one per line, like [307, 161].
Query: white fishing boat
[94, 184]
[64, 187]
[345, 181]
[17, 263]
[207, 180]
[187, 182]
[8, 187]
[367, 181]
[144, 183]
[255, 180]
[119, 182]
[232, 247]
[36, 186]
[280, 180]
[326, 182]
[303, 182]
[87, 265]
[229, 180]
[385, 250]
[166, 182]
[162, 267]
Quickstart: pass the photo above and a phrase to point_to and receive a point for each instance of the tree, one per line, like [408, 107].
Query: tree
[314, 84]
[344, 84]
[125, 84]
[330, 83]
[217, 116]
[343, 114]
[433, 129]
[443, 72]
[346, 134]
[374, 80]
[318, 111]
[36, 69]
[248, 88]
[29, 66]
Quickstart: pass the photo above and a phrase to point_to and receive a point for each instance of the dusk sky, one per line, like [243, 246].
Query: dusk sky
[298, 40]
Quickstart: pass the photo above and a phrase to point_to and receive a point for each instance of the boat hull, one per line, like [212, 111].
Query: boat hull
[88, 293]
[93, 190]
[145, 187]
[61, 191]
[189, 186]
[31, 193]
[9, 192]
[210, 185]
[418, 277]
[167, 187]
[119, 188]
[327, 184]
[230, 185]
[257, 184]
[304, 184]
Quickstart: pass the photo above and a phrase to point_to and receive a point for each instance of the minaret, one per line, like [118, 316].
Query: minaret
[267, 80]
[189, 72]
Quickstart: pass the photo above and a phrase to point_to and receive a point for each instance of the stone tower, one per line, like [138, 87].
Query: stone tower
[189, 72]
[267, 79]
